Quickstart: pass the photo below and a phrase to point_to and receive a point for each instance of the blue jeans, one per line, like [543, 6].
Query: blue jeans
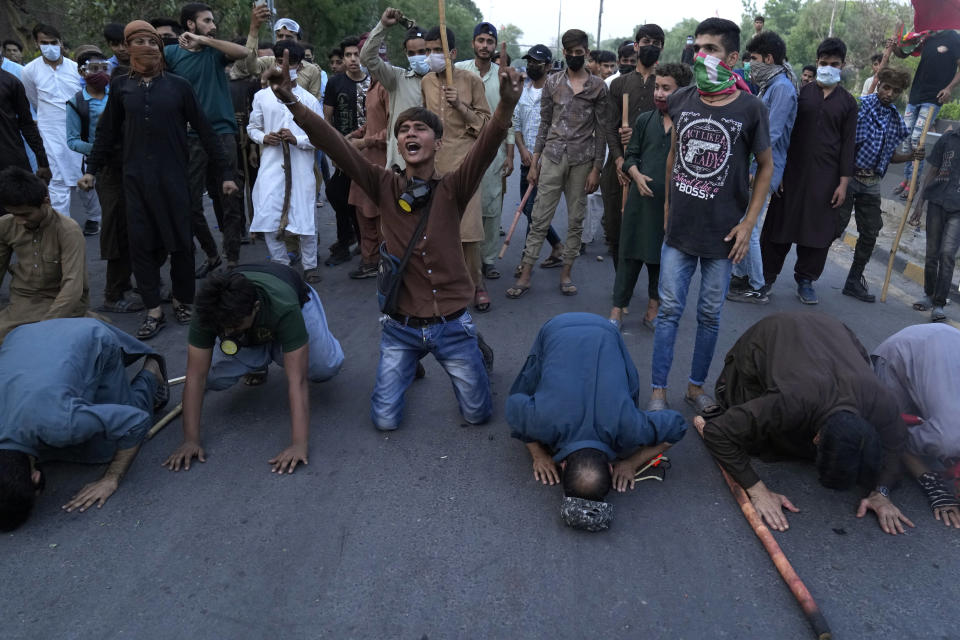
[752, 263]
[915, 117]
[324, 359]
[676, 271]
[453, 344]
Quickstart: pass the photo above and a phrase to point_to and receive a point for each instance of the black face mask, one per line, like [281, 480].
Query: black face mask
[648, 55]
[574, 63]
[535, 71]
[625, 69]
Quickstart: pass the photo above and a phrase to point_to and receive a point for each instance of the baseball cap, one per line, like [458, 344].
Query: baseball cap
[540, 53]
[487, 28]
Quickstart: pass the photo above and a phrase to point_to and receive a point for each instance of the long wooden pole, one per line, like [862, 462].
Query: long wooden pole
[795, 584]
[443, 42]
[906, 211]
[165, 420]
[516, 219]
[625, 122]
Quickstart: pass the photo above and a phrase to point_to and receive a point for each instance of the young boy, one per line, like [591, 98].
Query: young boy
[717, 126]
[641, 233]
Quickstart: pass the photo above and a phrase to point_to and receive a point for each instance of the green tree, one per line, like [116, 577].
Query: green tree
[513, 36]
[676, 39]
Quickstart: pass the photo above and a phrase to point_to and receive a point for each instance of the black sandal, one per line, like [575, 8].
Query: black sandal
[150, 327]
[183, 313]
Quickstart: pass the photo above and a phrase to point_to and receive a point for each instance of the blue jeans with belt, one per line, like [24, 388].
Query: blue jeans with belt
[676, 271]
[454, 344]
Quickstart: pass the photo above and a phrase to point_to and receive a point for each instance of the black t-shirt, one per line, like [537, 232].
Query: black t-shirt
[710, 184]
[938, 65]
[347, 98]
[945, 188]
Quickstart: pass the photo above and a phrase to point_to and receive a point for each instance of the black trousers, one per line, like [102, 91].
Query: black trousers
[114, 245]
[810, 261]
[228, 209]
[146, 268]
[338, 193]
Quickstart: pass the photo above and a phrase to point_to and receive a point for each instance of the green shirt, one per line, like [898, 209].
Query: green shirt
[204, 69]
[279, 319]
[641, 230]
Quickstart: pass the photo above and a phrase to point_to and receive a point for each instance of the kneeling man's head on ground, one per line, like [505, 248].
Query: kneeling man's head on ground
[23, 195]
[20, 482]
[587, 479]
[228, 303]
[848, 452]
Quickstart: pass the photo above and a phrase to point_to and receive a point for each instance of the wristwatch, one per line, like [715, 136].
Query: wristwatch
[882, 490]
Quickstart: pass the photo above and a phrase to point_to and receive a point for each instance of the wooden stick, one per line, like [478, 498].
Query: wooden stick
[625, 122]
[165, 420]
[443, 42]
[799, 590]
[516, 219]
[906, 211]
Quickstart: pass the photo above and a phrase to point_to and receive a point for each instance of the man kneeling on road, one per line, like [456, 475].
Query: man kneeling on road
[800, 385]
[576, 399]
[242, 321]
[431, 307]
[65, 395]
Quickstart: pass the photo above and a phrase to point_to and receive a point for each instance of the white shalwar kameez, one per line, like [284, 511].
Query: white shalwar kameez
[270, 116]
[48, 89]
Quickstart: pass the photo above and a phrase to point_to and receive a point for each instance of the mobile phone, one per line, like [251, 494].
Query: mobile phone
[259, 3]
[406, 22]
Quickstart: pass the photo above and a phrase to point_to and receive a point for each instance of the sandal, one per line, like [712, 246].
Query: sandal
[183, 313]
[650, 324]
[657, 404]
[481, 301]
[705, 406]
[924, 304]
[490, 272]
[255, 378]
[517, 291]
[568, 288]
[552, 262]
[150, 327]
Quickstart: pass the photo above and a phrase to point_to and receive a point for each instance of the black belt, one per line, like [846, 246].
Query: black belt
[414, 321]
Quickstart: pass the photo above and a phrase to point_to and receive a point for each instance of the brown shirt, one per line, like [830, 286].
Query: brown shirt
[50, 262]
[436, 282]
[571, 124]
[640, 99]
[378, 114]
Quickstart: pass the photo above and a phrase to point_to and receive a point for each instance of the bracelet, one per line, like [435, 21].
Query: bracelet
[296, 99]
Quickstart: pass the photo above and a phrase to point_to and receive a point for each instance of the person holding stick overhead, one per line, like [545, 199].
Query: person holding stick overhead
[67, 397]
[800, 385]
[426, 311]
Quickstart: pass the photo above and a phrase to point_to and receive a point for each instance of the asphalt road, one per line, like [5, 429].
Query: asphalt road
[438, 530]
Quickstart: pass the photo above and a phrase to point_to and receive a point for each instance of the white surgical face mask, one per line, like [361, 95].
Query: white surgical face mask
[293, 74]
[50, 51]
[418, 64]
[828, 76]
[437, 62]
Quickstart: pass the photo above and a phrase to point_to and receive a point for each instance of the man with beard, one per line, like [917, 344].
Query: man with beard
[491, 188]
[200, 59]
[149, 110]
[638, 87]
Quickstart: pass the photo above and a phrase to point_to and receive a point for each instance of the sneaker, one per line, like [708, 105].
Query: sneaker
[364, 271]
[739, 283]
[754, 296]
[900, 188]
[858, 289]
[806, 292]
[91, 228]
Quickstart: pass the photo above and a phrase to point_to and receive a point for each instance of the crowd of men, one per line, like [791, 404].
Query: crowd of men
[721, 162]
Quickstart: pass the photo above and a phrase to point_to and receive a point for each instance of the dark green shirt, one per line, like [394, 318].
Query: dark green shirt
[204, 70]
[279, 319]
[641, 233]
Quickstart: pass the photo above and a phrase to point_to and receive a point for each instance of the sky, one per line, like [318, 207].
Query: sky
[538, 18]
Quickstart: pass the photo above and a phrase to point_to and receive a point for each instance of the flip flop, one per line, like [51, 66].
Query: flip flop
[552, 262]
[481, 301]
[568, 289]
[657, 404]
[706, 406]
[490, 272]
[937, 315]
[924, 304]
[517, 291]
[150, 327]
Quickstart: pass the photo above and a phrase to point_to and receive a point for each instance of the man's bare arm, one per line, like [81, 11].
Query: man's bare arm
[198, 365]
[98, 492]
[295, 366]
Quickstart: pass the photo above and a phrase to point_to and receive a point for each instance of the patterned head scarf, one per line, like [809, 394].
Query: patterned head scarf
[146, 60]
[588, 515]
